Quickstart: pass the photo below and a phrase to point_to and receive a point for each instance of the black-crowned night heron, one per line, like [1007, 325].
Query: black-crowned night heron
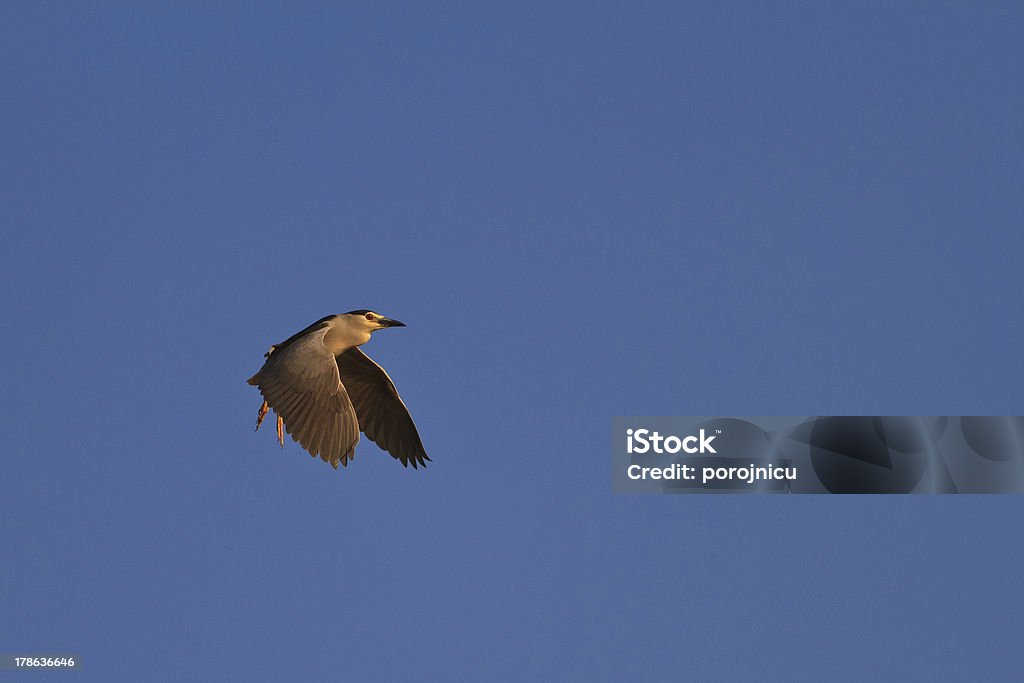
[325, 390]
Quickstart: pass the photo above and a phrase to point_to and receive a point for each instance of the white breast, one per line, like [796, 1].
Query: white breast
[342, 335]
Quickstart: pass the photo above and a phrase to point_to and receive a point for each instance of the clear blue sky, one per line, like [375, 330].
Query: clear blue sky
[580, 210]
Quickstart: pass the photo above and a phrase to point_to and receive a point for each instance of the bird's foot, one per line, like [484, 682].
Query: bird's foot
[263, 413]
[280, 431]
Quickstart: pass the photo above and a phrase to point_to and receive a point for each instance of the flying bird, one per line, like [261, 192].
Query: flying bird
[324, 390]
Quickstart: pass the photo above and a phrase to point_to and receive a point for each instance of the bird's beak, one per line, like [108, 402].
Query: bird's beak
[388, 322]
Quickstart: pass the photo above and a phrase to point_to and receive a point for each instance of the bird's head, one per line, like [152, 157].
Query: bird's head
[370, 321]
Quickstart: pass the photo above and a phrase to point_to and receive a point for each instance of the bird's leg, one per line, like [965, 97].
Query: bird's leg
[280, 431]
[263, 413]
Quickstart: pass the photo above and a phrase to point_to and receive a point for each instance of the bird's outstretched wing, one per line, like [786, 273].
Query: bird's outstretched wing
[382, 415]
[300, 382]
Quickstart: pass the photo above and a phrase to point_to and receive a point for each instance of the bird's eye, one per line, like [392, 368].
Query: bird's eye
[369, 316]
